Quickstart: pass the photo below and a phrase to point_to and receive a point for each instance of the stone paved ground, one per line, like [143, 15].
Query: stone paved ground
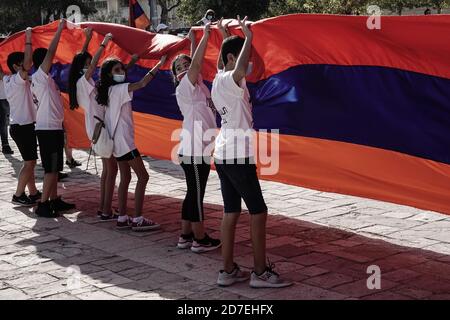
[323, 241]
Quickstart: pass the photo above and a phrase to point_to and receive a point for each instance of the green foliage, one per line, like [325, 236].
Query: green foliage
[16, 15]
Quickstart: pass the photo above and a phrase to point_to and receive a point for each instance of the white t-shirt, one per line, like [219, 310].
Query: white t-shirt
[2, 91]
[232, 101]
[86, 94]
[198, 116]
[18, 94]
[119, 118]
[46, 96]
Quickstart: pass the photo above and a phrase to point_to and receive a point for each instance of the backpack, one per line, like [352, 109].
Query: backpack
[102, 143]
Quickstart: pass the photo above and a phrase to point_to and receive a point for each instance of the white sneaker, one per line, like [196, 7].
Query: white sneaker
[268, 279]
[237, 275]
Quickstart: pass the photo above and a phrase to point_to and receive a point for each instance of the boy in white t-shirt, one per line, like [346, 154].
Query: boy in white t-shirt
[22, 118]
[49, 127]
[235, 166]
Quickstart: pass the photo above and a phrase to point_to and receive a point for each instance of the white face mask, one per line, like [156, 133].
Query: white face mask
[119, 77]
[181, 75]
[85, 70]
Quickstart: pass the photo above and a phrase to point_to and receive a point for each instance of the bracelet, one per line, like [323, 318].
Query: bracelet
[28, 43]
[152, 74]
[102, 45]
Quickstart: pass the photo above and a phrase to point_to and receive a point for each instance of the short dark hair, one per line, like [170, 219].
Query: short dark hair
[39, 56]
[14, 58]
[231, 45]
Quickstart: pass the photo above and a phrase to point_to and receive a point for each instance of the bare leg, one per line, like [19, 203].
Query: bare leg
[48, 189]
[186, 227]
[198, 229]
[229, 222]
[103, 184]
[26, 172]
[110, 183]
[138, 167]
[125, 178]
[258, 235]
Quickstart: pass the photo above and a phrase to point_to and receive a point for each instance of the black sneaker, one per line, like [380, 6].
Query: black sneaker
[35, 197]
[73, 163]
[185, 241]
[7, 150]
[62, 175]
[22, 200]
[205, 244]
[45, 210]
[59, 205]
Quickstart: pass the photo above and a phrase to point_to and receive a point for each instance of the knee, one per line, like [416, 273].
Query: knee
[29, 165]
[144, 177]
[125, 178]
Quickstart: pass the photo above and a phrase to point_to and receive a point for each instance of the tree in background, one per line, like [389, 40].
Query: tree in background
[193, 10]
[166, 7]
[16, 15]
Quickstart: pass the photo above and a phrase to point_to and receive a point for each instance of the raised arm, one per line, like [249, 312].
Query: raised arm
[88, 34]
[240, 70]
[97, 56]
[47, 63]
[134, 59]
[147, 78]
[197, 59]
[28, 59]
[225, 34]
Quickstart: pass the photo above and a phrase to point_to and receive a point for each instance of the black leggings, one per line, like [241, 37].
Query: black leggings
[196, 173]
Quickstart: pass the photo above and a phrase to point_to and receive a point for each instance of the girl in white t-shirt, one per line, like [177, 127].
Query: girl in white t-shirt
[82, 93]
[116, 95]
[194, 101]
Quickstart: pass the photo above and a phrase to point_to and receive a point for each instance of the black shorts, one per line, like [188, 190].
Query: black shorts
[238, 181]
[25, 139]
[51, 147]
[129, 156]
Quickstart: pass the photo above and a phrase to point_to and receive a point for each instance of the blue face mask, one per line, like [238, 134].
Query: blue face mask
[119, 77]
[209, 17]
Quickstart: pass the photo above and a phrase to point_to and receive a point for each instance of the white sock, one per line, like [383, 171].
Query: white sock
[122, 218]
[138, 219]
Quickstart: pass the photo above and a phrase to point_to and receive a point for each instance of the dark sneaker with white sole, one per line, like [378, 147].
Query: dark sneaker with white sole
[22, 200]
[35, 197]
[45, 210]
[109, 217]
[206, 244]
[59, 205]
[122, 225]
[144, 225]
[185, 241]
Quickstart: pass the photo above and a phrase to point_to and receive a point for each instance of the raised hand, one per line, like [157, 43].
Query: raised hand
[88, 32]
[245, 27]
[107, 38]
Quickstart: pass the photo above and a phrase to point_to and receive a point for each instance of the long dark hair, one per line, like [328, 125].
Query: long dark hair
[106, 80]
[75, 73]
[174, 72]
